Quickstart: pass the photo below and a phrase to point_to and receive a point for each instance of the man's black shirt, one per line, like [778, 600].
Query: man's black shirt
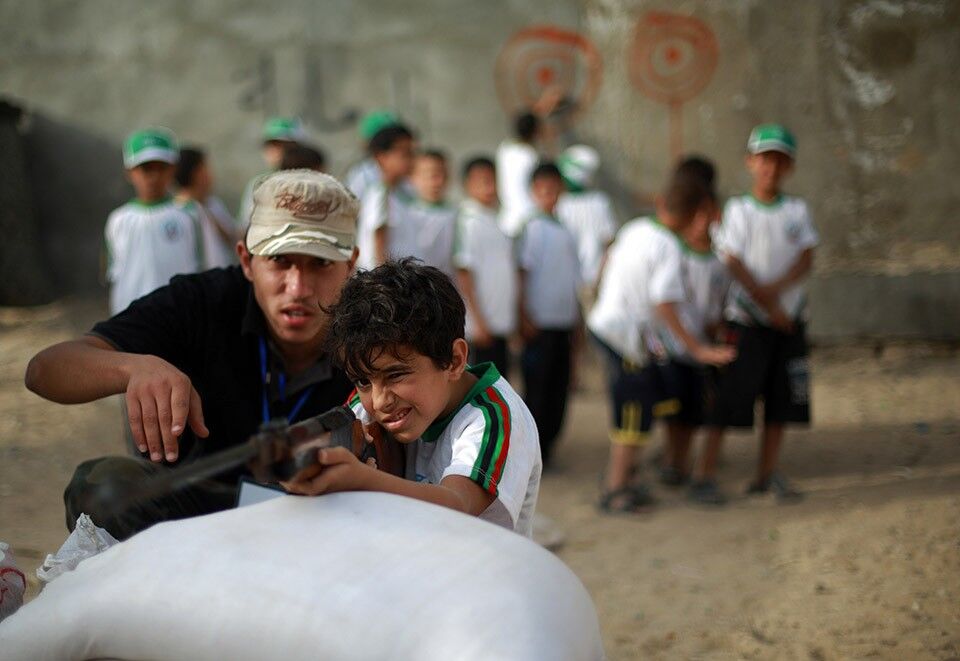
[209, 326]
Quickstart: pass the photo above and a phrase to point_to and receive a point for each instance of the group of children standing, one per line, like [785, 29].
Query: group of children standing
[700, 314]
[695, 318]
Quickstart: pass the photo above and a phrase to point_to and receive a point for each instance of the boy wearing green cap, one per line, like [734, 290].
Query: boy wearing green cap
[366, 173]
[767, 241]
[149, 239]
[587, 212]
[278, 134]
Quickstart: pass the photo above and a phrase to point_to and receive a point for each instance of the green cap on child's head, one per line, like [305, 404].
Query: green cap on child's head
[578, 165]
[772, 137]
[153, 144]
[375, 121]
[286, 129]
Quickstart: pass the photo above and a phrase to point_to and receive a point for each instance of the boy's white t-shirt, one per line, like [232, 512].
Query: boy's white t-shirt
[589, 216]
[361, 176]
[768, 239]
[515, 163]
[482, 248]
[643, 270]
[146, 246]
[706, 281]
[490, 438]
[210, 215]
[391, 208]
[547, 253]
[436, 227]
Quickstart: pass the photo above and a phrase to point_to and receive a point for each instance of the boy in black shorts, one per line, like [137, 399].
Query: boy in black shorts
[705, 281]
[767, 241]
[642, 298]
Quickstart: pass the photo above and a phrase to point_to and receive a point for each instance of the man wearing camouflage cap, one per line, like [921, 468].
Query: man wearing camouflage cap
[205, 360]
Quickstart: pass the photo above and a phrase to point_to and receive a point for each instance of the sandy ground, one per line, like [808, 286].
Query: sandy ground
[868, 565]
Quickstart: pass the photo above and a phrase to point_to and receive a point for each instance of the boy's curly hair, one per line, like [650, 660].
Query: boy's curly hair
[399, 305]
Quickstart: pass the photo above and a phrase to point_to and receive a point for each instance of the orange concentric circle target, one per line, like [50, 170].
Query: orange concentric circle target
[540, 57]
[672, 57]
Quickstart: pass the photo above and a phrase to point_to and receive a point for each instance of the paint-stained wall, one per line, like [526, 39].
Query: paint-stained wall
[868, 86]
[871, 90]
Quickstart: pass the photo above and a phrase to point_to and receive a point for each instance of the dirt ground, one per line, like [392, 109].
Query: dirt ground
[868, 565]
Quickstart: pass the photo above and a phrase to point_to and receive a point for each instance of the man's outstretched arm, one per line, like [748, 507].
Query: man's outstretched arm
[79, 371]
[160, 398]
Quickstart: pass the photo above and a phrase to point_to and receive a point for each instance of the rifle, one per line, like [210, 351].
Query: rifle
[279, 450]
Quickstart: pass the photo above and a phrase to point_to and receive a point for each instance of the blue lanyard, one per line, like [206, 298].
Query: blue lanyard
[265, 380]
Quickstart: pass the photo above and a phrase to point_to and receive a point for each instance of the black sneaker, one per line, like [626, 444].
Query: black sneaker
[671, 477]
[782, 489]
[758, 488]
[706, 492]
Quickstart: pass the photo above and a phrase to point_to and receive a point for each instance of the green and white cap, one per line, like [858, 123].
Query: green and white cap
[772, 137]
[578, 165]
[286, 129]
[375, 121]
[153, 144]
[303, 212]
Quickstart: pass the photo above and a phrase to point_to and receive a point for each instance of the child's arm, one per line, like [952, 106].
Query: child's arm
[340, 470]
[483, 335]
[381, 243]
[528, 330]
[797, 271]
[769, 302]
[224, 227]
[703, 353]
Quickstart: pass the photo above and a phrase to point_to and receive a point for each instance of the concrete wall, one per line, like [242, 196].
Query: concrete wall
[871, 90]
[868, 86]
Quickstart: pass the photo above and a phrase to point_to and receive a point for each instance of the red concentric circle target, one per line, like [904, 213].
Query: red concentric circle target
[540, 57]
[672, 57]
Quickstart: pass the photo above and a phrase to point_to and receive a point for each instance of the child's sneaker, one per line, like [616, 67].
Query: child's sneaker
[706, 492]
[671, 477]
[779, 485]
[782, 489]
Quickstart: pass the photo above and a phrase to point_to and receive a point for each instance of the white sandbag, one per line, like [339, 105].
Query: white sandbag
[86, 541]
[341, 577]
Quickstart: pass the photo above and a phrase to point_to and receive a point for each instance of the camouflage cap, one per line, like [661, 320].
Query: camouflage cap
[303, 212]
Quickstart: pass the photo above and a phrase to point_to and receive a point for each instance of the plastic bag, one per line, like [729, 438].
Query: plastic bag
[12, 583]
[86, 540]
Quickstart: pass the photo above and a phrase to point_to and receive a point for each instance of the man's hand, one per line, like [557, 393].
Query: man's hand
[715, 354]
[160, 402]
[337, 469]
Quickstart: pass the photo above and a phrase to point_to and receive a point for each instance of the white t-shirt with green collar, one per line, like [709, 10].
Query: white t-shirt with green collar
[642, 271]
[435, 224]
[547, 253]
[391, 208]
[482, 248]
[490, 438]
[147, 244]
[705, 281]
[768, 239]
